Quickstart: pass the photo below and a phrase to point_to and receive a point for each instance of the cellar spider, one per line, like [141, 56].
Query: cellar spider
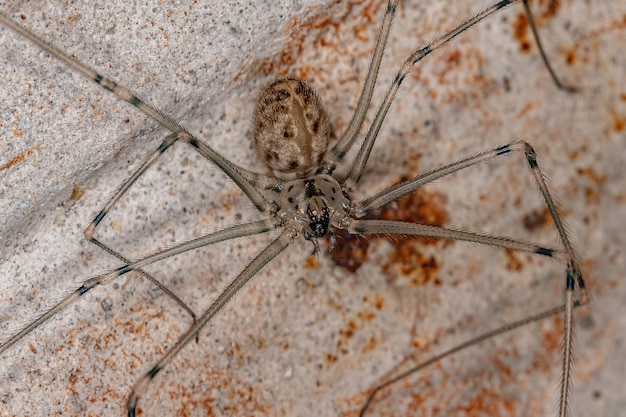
[284, 198]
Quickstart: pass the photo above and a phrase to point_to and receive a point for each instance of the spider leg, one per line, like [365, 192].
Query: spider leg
[378, 200]
[391, 193]
[364, 227]
[167, 142]
[250, 182]
[346, 140]
[544, 58]
[248, 229]
[358, 165]
[149, 277]
[471, 342]
[90, 230]
[262, 259]
[575, 289]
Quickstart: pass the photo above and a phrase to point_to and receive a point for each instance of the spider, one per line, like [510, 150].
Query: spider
[307, 198]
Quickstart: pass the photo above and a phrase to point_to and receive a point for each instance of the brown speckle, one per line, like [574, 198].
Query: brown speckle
[536, 219]
[77, 193]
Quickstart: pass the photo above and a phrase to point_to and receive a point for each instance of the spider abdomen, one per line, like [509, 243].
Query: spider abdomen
[291, 127]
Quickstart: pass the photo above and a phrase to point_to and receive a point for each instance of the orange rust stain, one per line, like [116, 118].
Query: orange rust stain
[20, 157]
[380, 302]
[619, 122]
[520, 32]
[348, 332]
[243, 398]
[408, 261]
[72, 18]
[576, 153]
[454, 59]
[465, 64]
[420, 207]
[260, 341]
[311, 262]
[316, 28]
[370, 345]
[544, 10]
[419, 342]
[356, 322]
[228, 198]
[488, 402]
[426, 397]
[593, 195]
[525, 110]
[592, 175]
[552, 336]
[406, 257]
[331, 358]
[550, 8]
[570, 56]
[366, 315]
[513, 262]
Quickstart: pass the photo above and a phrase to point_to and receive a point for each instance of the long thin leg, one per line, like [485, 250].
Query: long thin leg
[396, 191]
[346, 140]
[167, 142]
[90, 230]
[250, 183]
[248, 229]
[390, 194]
[364, 227]
[146, 275]
[575, 289]
[269, 253]
[358, 165]
[544, 58]
[472, 342]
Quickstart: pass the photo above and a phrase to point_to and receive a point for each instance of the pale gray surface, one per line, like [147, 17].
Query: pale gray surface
[274, 351]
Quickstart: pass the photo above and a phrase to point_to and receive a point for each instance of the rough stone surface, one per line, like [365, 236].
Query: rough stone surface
[304, 337]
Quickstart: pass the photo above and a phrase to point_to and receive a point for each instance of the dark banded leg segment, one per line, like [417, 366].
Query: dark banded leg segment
[575, 290]
[149, 277]
[472, 342]
[248, 229]
[364, 227]
[360, 161]
[262, 259]
[169, 141]
[239, 175]
[347, 139]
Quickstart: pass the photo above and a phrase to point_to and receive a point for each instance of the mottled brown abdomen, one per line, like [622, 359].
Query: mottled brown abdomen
[291, 127]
